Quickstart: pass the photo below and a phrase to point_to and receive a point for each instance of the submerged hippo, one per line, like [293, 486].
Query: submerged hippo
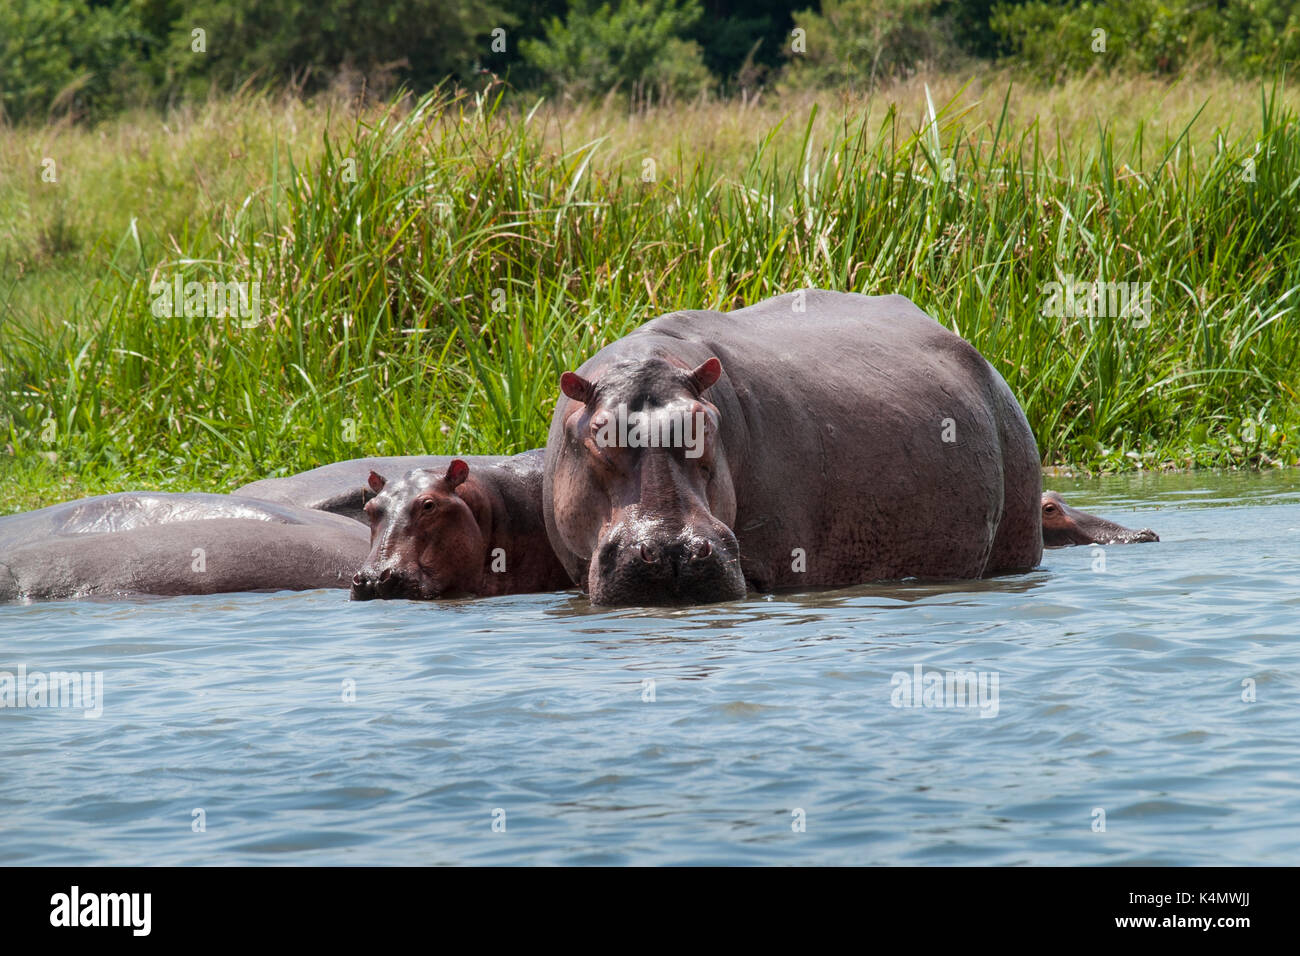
[1063, 525]
[341, 488]
[133, 509]
[459, 531]
[817, 439]
[169, 544]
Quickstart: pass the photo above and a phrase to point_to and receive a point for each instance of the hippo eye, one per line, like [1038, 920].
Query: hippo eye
[428, 505]
[1049, 509]
[604, 455]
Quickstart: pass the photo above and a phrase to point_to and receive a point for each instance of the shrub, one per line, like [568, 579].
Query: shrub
[636, 46]
[853, 43]
[1057, 37]
[310, 41]
[67, 56]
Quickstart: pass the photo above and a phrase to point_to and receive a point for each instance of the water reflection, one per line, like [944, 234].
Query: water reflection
[1148, 491]
[779, 606]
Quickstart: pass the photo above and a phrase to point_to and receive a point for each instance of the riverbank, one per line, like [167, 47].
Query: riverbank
[414, 279]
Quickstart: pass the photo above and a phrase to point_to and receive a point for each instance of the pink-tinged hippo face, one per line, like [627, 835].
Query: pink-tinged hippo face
[643, 486]
[425, 538]
[1064, 526]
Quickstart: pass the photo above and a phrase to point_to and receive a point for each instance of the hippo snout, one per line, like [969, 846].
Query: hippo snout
[638, 564]
[384, 583]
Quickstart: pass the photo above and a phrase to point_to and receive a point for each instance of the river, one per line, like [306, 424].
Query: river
[1132, 704]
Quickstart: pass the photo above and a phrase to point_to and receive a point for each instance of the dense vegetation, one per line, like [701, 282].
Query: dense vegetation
[93, 57]
[425, 265]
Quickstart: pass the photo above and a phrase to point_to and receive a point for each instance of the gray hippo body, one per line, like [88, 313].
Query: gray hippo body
[156, 543]
[847, 438]
[134, 509]
[342, 487]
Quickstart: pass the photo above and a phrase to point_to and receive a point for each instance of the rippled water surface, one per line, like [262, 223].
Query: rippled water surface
[1120, 681]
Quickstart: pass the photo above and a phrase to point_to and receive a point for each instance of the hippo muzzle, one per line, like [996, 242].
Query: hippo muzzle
[648, 562]
[389, 583]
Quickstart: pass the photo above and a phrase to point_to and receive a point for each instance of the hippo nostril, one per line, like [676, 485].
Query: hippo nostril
[362, 587]
[648, 555]
[703, 549]
[384, 575]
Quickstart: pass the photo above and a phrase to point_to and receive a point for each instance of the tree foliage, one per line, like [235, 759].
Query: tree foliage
[635, 45]
[89, 58]
[856, 42]
[1058, 37]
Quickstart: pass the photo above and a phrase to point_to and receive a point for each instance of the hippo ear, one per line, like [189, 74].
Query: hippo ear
[376, 482]
[576, 387]
[457, 472]
[706, 375]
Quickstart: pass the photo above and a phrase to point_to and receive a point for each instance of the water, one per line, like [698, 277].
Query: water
[1118, 691]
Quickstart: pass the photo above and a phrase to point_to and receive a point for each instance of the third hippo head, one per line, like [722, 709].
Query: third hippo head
[426, 537]
[1064, 526]
[642, 485]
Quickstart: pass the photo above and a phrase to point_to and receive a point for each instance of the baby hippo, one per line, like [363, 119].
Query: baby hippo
[1063, 525]
[436, 534]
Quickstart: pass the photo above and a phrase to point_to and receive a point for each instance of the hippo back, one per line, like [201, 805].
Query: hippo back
[167, 544]
[341, 488]
[135, 509]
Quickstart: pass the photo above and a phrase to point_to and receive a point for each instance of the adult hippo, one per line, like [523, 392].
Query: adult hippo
[135, 509]
[816, 439]
[169, 544]
[459, 531]
[341, 488]
[1064, 526]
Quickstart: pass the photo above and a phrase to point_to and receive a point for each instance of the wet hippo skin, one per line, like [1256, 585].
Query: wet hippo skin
[341, 488]
[1064, 526]
[851, 430]
[459, 531]
[171, 544]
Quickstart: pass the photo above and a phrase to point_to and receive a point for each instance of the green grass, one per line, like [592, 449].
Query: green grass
[429, 302]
